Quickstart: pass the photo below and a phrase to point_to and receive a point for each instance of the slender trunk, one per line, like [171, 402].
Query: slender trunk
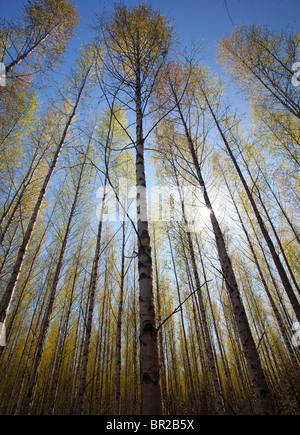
[88, 323]
[242, 374]
[136, 383]
[272, 225]
[193, 404]
[149, 364]
[91, 301]
[207, 339]
[173, 375]
[294, 230]
[119, 330]
[8, 249]
[127, 397]
[160, 336]
[258, 381]
[280, 245]
[203, 402]
[19, 387]
[20, 296]
[17, 197]
[266, 288]
[100, 343]
[9, 292]
[35, 318]
[279, 266]
[77, 354]
[287, 315]
[217, 332]
[30, 50]
[59, 362]
[52, 295]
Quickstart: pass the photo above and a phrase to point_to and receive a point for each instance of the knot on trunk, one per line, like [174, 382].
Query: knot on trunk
[148, 379]
[145, 235]
[148, 330]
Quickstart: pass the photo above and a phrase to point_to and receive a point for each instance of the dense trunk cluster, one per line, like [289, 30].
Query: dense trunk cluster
[107, 310]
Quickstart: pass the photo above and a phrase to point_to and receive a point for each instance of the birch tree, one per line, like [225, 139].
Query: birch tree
[262, 62]
[177, 85]
[136, 44]
[9, 292]
[39, 38]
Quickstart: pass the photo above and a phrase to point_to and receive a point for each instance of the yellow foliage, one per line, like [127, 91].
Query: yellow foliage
[140, 36]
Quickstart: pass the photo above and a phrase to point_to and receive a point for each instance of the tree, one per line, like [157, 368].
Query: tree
[40, 38]
[180, 81]
[136, 43]
[52, 293]
[8, 295]
[91, 328]
[261, 60]
[279, 266]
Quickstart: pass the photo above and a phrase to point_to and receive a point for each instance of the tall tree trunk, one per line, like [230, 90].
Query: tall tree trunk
[30, 50]
[149, 364]
[294, 230]
[101, 326]
[52, 295]
[136, 382]
[37, 318]
[160, 336]
[193, 404]
[205, 403]
[266, 288]
[258, 381]
[279, 243]
[89, 318]
[207, 339]
[63, 336]
[7, 297]
[18, 196]
[217, 332]
[20, 296]
[279, 266]
[119, 330]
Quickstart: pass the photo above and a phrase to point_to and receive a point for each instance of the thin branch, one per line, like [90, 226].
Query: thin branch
[177, 309]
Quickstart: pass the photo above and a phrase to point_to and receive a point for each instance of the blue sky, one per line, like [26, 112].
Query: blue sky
[206, 20]
[199, 20]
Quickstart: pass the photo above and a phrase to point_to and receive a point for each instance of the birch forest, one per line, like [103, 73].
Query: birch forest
[149, 227]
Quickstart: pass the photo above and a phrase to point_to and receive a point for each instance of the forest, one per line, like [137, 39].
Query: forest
[149, 232]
